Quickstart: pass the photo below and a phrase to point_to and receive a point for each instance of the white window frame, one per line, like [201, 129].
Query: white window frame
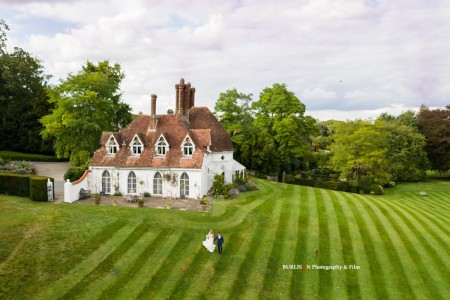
[157, 184]
[184, 188]
[131, 183]
[106, 182]
[187, 147]
[112, 147]
[136, 146]
[161, 146]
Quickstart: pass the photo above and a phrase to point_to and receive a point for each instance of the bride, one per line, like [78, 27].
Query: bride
[209, 241]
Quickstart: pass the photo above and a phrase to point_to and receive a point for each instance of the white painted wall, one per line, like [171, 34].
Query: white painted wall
[200, 180]
[119, 181]
[72, 190]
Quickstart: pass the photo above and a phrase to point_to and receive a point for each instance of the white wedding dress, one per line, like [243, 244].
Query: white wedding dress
[209, 243]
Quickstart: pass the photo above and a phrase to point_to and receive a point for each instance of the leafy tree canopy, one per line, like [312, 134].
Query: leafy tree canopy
[359, 150]
[233, 110]
[434, 125]
[280, 114]
[86, 104]
[23, 99]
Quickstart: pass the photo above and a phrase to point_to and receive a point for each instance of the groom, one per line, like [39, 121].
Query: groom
[220, 241]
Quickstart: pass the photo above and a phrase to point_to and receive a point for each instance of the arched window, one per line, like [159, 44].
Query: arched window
[161, 147]
[157, 184]
[111, 146]
[131, 183]
[106, 182]
[184, 185]
[188, 148]
[136, 147]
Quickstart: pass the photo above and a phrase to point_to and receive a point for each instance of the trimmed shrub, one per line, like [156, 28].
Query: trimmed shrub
[34, 187]
[38, 188]
[376, 189]
[15, 184]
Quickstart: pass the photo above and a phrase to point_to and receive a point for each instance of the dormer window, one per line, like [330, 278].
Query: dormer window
[187, 147]
[136, 146]
[112, 146]
[161, 146]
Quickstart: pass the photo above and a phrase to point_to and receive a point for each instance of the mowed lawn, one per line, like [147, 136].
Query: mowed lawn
[394, 246]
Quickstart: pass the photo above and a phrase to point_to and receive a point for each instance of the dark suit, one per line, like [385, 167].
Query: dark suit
[220, 241]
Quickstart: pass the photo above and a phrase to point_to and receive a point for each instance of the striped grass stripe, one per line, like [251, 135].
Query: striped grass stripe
[277, 280]
[351, 278]
[338, 290]
[431, 225]
[228, 276]
[399, 240]
[405, 262]
[263, 242]
[137, 281]
[425, 237]
[415, 249]
[309, 284]
[367, 244]
[164, 286]
[124, 262]
[76, 275]
[302, 222]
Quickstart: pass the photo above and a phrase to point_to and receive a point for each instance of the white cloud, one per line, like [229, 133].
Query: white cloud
[337, 56]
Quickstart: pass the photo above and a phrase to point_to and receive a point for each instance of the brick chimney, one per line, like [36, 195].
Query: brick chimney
[153, 119]
[184, 97]
[181, 97]
[192, 104]
[153, 105]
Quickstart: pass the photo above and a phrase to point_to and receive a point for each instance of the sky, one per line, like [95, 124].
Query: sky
[344, 59]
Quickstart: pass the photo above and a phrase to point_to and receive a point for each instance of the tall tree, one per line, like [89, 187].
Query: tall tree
[280, 115]
[86, 104]
[233, 110]
[359, 151]
[407, 159]
[23, 99]
[435, 126]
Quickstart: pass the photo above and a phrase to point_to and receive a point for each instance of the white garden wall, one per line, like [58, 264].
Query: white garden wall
[72, 189]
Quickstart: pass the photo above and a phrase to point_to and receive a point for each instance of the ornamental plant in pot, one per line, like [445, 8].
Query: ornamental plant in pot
[140, 203]
[97, 199]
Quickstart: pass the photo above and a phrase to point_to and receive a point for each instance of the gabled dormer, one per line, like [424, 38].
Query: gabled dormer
[161, 146]
[136, 146]
[112, 146]
[187, 147]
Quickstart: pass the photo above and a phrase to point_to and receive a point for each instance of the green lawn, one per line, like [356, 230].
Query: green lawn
[398, 244]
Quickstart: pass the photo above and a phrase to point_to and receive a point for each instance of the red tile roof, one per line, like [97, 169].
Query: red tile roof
[199, 123]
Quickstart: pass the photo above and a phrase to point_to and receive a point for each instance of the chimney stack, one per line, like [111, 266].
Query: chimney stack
[181, 97]
[177, 101]
[153, 106]
[192, 104]
[184, 97]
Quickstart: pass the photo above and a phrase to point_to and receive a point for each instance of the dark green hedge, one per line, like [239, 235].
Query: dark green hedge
[38, 188]
[34, 187]
[15, 184]
[330, 185]
[12, 155]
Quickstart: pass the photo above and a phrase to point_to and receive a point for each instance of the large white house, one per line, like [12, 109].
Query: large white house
[172, 155]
